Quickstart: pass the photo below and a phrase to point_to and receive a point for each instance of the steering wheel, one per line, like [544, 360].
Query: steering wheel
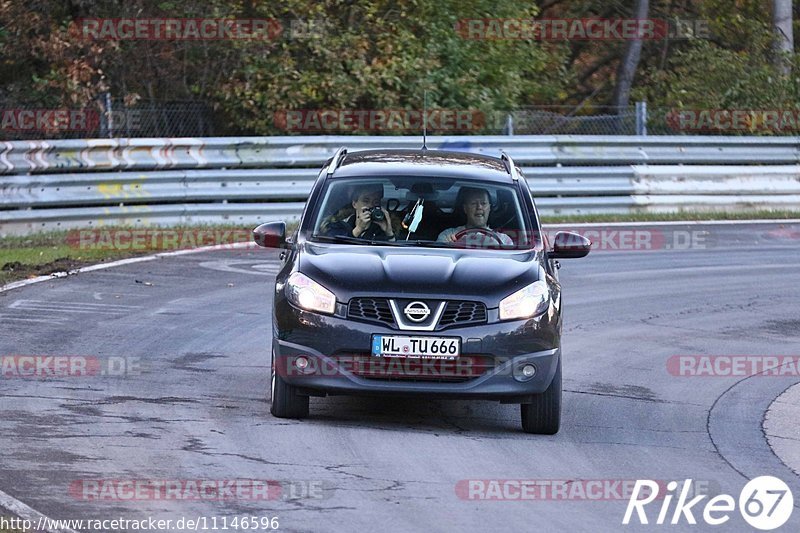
[483, 231]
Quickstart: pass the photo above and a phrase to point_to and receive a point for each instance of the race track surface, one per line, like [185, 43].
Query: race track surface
[195, 407]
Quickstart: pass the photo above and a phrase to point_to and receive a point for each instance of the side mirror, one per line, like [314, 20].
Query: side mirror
[568, 245]
[270, 235]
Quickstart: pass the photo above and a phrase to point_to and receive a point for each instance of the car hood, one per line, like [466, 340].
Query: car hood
[485, 276]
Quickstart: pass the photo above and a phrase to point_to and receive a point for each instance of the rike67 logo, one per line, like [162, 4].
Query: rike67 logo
[766, 503]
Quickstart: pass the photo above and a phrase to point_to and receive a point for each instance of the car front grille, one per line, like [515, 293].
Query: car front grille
[456, 313]
[463, 313]
[371, 310]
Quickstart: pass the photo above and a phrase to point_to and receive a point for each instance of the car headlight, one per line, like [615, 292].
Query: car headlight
[307, 294]
[527, 302]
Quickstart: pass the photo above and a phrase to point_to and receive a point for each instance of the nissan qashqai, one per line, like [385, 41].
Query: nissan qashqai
[424, 273]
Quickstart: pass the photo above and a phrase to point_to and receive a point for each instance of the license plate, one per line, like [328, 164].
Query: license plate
[425, 347]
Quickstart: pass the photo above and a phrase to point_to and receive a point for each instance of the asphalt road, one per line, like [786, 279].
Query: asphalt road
[195, 330]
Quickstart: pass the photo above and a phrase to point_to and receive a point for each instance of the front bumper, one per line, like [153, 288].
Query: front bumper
[322, 340]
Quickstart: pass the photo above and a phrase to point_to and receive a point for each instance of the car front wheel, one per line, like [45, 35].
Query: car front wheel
[286, 402]
[543, 415]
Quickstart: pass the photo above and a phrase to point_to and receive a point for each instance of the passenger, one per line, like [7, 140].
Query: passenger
[475, 203]
[358, 220]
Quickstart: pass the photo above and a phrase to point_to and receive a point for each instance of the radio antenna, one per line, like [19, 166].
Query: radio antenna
[425, 120]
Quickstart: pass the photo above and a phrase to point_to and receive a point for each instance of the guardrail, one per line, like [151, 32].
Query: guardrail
[34, 157]
[48, 185]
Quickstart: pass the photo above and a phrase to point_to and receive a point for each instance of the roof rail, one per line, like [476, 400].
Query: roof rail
[338, 157]
[511, 168]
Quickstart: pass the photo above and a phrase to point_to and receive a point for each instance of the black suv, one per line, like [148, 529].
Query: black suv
[419, 272]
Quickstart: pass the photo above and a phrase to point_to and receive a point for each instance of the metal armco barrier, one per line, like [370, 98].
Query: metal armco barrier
[46, 185]
[39, 157]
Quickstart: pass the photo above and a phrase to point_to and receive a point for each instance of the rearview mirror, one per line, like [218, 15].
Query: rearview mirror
[568, 245]
[270, 235]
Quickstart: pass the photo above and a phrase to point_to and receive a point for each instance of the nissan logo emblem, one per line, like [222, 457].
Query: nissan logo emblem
[417, 311]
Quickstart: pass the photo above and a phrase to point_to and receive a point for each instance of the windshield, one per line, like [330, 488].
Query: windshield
[429, 212]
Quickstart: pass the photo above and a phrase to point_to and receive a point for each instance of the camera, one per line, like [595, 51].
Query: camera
[376, 214]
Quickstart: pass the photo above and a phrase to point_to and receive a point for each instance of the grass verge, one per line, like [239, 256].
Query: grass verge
[41, 254]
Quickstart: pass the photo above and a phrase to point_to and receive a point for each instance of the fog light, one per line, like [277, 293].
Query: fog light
[301, 363]
[528, 371]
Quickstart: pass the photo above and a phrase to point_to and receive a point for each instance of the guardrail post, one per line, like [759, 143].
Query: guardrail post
[509, 124]
[641, 118]
[109, 116]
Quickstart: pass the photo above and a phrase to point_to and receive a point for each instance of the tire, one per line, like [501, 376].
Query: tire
[286, 402]
[543, 415]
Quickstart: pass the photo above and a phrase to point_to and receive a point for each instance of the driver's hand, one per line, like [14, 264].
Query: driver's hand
[450, 238]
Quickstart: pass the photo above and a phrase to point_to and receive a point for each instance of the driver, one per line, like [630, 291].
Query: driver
[364, 199]
[475, 202]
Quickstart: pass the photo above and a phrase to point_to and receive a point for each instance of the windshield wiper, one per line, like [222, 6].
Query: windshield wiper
[429, 244]
[352, 240]
[446, 244]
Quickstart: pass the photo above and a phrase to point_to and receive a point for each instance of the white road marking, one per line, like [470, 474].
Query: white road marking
[77, 304]
[44, 320]
[258, 268]
[72, 307]
[27, 513]
[272, 268]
